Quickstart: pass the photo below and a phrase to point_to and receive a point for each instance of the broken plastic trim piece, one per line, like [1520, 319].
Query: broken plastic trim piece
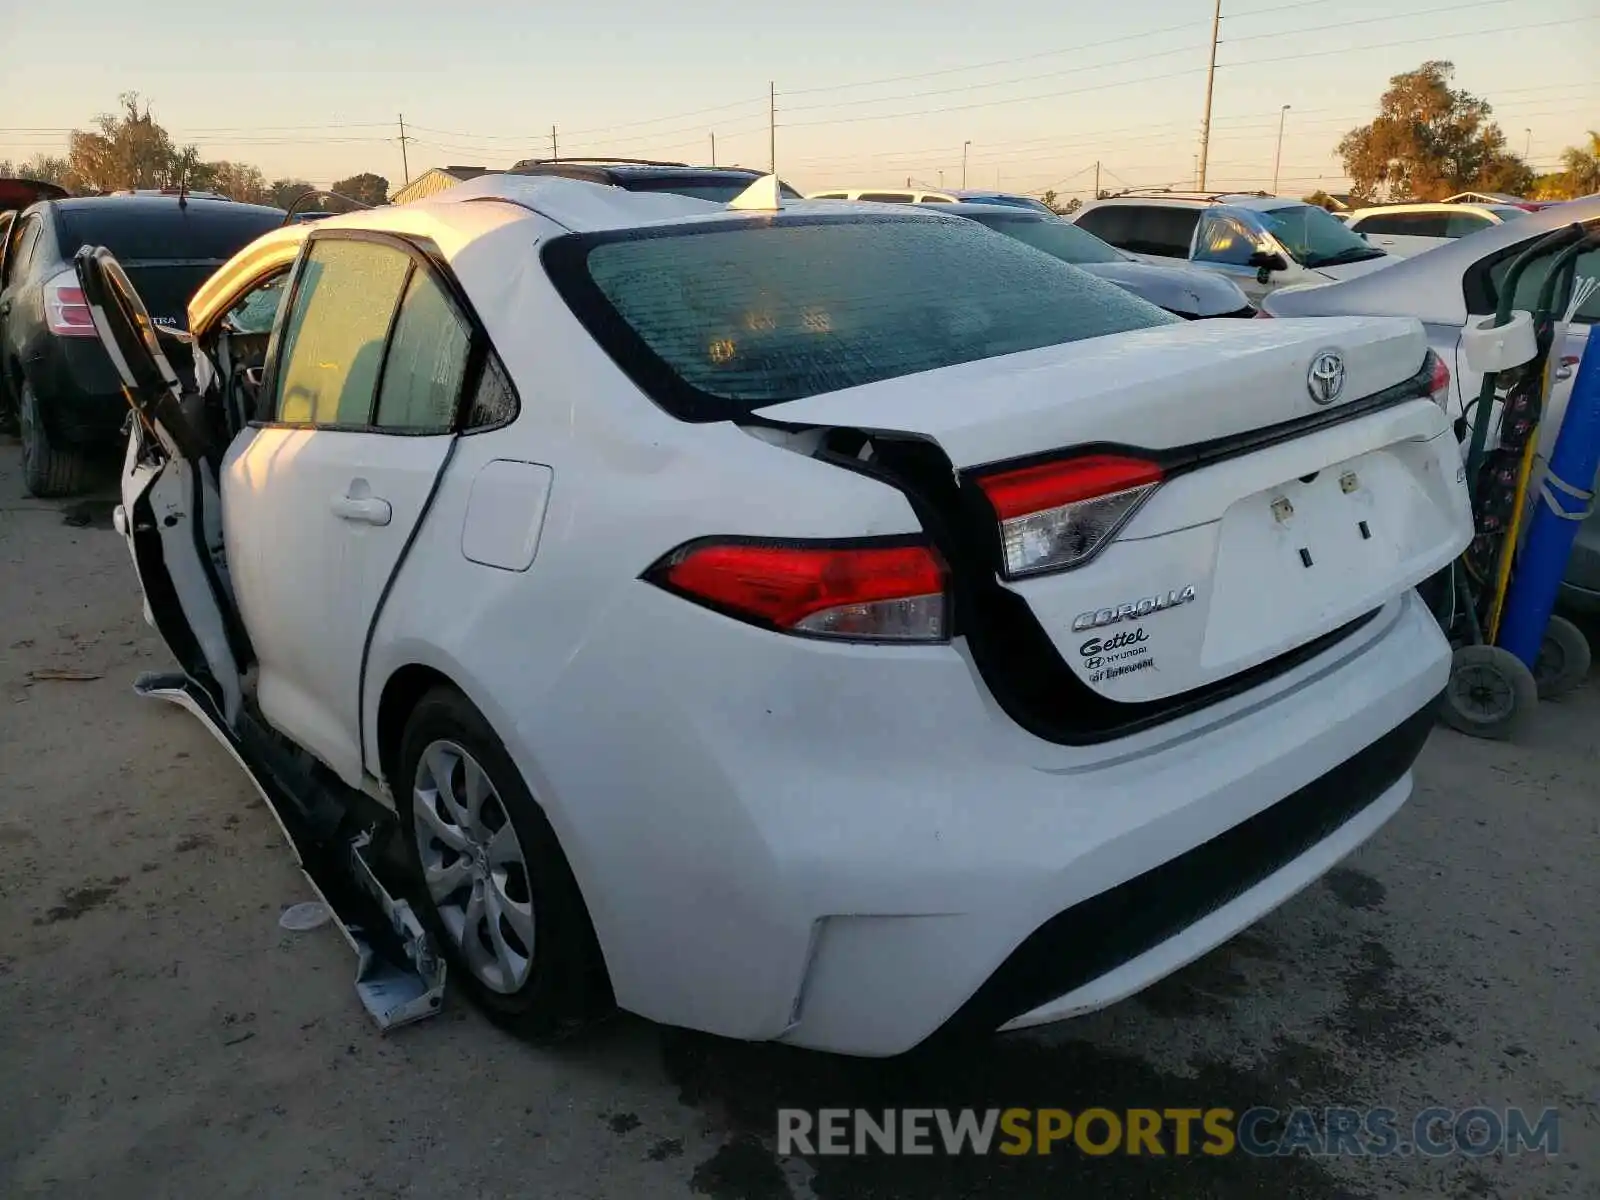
[764, 195]
[400, 977]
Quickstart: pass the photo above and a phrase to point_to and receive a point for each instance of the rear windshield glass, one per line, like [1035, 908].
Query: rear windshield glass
[133, 230]
[716, 320]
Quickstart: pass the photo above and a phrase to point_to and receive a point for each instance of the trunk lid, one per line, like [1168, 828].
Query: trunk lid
[1279, 519]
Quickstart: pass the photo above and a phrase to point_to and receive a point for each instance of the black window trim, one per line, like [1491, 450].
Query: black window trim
[422, 254]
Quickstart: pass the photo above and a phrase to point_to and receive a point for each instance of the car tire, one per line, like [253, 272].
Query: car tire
[1564, 659]
[513, 927]
[1490, 693]
[46, 470]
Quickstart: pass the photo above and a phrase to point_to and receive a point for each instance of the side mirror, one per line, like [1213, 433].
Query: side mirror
[1266, 262]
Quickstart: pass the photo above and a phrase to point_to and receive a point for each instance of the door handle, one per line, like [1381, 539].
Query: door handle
[369, 510]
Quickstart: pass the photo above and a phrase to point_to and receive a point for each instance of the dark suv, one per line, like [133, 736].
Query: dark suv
[717, 184]
[57, 387]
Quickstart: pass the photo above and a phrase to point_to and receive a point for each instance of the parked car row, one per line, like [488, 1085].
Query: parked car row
[816, 621]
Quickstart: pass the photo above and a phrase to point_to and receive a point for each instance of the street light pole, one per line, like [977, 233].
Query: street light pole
[964, 146]
[1277, 159]
[1527, 143]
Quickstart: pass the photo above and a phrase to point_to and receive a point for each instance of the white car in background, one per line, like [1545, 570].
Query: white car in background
[801, 624]
[1260, 242]
[1407, 229]
[1457, 283]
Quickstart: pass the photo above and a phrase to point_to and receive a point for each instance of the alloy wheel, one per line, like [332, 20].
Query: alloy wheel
[474, 866]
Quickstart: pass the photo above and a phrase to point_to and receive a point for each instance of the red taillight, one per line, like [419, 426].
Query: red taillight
[1263, 315]
[66, 312]
[1061, 514]
[1439, 382]
[883, 592]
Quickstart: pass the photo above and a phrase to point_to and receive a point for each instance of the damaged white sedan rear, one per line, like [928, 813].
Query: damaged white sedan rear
[814, 624]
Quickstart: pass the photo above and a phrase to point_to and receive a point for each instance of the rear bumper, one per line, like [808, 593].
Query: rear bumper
[844, 847]
[80, 396]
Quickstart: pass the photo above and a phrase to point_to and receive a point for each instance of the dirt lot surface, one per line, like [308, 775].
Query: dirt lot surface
[160, 1035]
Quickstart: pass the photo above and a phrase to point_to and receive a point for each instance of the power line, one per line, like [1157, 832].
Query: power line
[996, 103]
[1426, 12]
[998, 62]
[1432, 39]
[972, 87]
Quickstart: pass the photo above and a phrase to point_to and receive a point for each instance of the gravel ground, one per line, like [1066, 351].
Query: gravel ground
[160, 1035]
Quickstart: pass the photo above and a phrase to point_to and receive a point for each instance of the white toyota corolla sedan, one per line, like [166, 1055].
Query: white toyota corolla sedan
[830, 623]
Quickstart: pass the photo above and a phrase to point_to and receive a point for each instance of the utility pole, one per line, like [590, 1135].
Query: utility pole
[405, 165]
[713, 148]
[554, 156]
[772, 126]
[1096, 195]
[1277, 158]
[1211, 79]
[964, 146]
[1527, 143]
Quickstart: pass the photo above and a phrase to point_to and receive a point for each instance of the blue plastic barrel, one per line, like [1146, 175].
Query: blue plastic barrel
[1564, 500]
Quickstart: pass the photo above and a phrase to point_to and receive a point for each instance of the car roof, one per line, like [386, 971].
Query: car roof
[1427, 286]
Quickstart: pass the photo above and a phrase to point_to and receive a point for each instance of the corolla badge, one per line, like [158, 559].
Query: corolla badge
[1133, 610]
[1325, 380]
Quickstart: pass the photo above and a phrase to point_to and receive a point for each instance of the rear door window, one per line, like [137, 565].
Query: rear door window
[426, 363]
[22, 245]
[344, 302]
[887, 197]
[715, 320]
[1162, 230]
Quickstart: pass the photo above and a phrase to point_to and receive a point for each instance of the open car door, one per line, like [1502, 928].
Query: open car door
[171, 511]
[171, 517]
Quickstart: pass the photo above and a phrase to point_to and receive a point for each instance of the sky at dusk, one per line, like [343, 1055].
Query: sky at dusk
[868, 94]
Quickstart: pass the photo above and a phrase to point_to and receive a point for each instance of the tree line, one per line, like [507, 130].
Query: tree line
[130, 149]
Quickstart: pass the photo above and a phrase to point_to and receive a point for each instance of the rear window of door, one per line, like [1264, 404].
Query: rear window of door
[1405, 224]
[1157, 229]
[22, 245]
[344, 302]
[887, 197]
[427, 360]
